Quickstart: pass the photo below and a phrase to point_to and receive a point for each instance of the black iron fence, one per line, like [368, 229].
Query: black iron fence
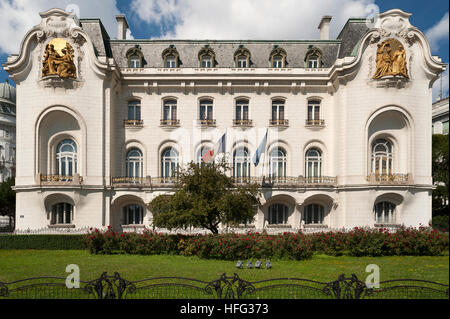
[225, 287]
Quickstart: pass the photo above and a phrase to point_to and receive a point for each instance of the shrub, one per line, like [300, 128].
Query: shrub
[440, 223]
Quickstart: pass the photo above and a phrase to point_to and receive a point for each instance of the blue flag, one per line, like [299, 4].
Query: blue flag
[261, 149]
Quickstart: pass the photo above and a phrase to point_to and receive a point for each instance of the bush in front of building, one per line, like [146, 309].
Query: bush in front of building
[358, 242]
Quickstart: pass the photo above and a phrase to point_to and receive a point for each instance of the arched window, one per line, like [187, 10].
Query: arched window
[62, 213]
[171, 57]
[133, 163]
[277, 164]
[169, 165]
[241, 164]
[202, 151]
[278, 58]
[66, 158]
[133, 215]
[242, 58]
[384, 213]
[313, 214]
[382, 159]
[206, 58]
[313, 58]
[278, 214]
[313, 164]
[134, 57]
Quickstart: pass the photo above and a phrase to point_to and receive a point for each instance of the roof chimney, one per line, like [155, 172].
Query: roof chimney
[324, 27]
[122, 27]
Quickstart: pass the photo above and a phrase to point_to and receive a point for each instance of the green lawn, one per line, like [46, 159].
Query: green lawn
[20, 264]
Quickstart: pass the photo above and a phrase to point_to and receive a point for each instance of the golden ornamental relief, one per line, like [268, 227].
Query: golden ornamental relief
[391, 59]
[58, 59]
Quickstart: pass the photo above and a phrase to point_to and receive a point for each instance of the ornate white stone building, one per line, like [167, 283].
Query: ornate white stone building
[102, 123]
[7, 131]
[440, 116]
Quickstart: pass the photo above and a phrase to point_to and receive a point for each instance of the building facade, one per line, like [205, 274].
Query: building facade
[103, 124]
[440, 116]
[7, 131]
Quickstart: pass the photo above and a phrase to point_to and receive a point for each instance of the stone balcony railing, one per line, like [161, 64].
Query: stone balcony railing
[279, 122]
[315, 123]
[265, 181]
[207, 122]
[133, 123]
[55, 179]
[242, 122]
[165, 122]
[390, 179]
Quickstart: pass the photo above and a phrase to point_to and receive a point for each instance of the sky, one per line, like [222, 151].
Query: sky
[231, 19]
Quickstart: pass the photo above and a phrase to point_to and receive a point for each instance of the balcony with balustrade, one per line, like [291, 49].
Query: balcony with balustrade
[59, 180]
[243, 123]
[389, 179]
[170, 122]
[314, 123]
[207, 122]
[133, 123]
[279, 123]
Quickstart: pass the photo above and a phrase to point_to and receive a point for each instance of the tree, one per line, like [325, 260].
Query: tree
[205, 197]
[440, 172]
[8, 200]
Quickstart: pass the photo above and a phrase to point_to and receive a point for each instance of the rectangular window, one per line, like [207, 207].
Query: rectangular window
[277, 111]
[313, 110]
[134, 110]
[206, 109]
[206, 62]
[170, 110]
[313, 63]
[241, 111]
[445, 128]
[242, 62]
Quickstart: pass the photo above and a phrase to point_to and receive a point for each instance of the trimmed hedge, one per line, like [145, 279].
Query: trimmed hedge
[48, 242]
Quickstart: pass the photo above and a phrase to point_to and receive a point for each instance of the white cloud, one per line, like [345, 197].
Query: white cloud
[19, 16]
[438, 32]
[248, 19]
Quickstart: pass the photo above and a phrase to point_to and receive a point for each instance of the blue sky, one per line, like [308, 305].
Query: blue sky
[231, 19]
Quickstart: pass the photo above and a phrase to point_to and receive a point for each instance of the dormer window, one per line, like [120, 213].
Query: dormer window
[206, 58]
[278, 58]
[313, 58]
[135, 57]
[171, 58]
[242, 58]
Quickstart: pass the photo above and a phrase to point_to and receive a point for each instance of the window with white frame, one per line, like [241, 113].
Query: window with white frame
[134, 110]
[277, 61]
[66, 158]
[169, 164]
[206, 61]
[278, 214]
[171, 61]
[277, 164]
[134, 163]
[133, 214]
[206, 109]
[170, 110]
[242, 110]
[313, 61]
[277, 110]
[242, 61]
[382, 162]
[241, 163]
[134, 61]
[313, 111]
[62, 213]
[384, 213]
[313, 214]
[313, 163]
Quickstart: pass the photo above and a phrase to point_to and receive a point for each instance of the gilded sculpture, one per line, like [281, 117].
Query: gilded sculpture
[391, 59]
[58, 59]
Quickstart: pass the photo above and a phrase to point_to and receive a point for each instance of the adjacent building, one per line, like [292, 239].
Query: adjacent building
[440, 116]
[343, 124]
[7, 131]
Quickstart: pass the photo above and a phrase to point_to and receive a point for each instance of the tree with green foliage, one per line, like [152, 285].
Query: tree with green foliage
[8, 200]
[440, 171]
[205, 197]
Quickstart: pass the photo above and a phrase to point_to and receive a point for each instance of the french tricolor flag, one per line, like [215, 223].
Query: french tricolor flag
[218, 148]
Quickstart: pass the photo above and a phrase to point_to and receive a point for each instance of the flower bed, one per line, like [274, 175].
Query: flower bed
[422, 241]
